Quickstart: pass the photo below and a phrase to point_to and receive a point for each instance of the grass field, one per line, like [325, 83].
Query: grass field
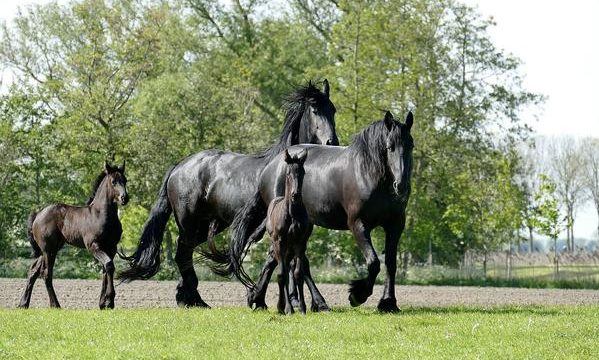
[563, 332]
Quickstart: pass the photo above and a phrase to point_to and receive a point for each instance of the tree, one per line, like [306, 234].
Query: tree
[590, 152]
[567, 168]
[549, 222]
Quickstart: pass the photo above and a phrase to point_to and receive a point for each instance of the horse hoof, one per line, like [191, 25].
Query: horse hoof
[358, 292]
[320, 308]
[388, 306]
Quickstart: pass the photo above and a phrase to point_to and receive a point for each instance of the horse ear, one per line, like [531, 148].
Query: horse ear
[325, 88]
[409, 120]
[287, 157]
[107, 167]
[301, 156]
[122, 167]
[388, 120]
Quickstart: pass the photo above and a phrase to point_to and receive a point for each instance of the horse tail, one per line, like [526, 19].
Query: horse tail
[35, 248]
[145, 262]
[247, 228]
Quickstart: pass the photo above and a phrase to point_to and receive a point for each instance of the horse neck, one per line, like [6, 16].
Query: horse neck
[294, 137]
[103, 200]
[369, 175]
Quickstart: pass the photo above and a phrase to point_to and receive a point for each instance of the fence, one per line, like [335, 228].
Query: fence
[578, 267]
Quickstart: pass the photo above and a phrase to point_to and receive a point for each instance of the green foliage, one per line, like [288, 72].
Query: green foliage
[155, 81]
[548, 220]
[424, 333]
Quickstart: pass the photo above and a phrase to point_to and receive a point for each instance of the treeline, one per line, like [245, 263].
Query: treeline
[558, 176]
[154, 81]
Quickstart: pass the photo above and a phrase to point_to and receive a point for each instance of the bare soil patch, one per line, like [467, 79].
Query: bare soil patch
[84, 294]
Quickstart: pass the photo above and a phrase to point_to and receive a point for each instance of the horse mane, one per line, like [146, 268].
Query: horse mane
[95, 187]
[369, 146]
[294, 106]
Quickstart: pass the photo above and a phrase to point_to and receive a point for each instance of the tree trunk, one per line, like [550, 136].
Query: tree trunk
[530, 239]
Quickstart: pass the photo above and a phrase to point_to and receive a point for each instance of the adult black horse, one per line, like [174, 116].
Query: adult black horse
[206, 189]
[358, 187]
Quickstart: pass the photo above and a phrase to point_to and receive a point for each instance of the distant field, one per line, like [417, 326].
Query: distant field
[532, 332]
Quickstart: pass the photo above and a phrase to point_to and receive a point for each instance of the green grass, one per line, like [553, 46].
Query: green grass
[533, 332]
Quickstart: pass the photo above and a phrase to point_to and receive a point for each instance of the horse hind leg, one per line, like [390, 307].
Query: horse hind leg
[34, 272]
[318, 302]
[187, 289]
[49, 259]
[256, 297]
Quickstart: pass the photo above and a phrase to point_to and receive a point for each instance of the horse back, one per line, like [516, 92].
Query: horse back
[213, 183]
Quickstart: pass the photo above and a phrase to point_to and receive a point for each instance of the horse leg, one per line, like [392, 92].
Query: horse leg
[318, 302]
[299, 280]
[103, 293]
[284, 305]
[49, 259]
[361, 289]
[256, 296]
[388, 303]
[34, 272]
[293, 290]
[108, 292]
[187, 290]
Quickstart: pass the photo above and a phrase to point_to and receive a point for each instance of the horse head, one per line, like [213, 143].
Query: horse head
[294, 175]
[318, 121]
[116, 183]
[399, 144]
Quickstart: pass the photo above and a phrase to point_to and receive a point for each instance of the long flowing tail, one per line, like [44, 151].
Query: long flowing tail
[35, 249]
[145, 262]
[247, 228]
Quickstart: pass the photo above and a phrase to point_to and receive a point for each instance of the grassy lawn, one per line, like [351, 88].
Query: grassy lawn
[435, 333]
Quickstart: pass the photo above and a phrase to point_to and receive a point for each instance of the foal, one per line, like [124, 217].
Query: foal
[95, 227]
[289, 228]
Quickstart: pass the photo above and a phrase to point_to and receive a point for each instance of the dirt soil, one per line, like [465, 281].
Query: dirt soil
[147, 294]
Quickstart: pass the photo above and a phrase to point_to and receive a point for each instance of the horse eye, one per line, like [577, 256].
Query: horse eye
[113, 182]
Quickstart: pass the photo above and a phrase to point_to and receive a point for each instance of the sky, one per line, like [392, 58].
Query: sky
[558, 44]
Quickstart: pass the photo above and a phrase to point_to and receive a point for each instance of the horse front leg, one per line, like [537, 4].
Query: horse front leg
[298, 274]
[361, 289]
[388, 302]
[108, 293]
[103, 292]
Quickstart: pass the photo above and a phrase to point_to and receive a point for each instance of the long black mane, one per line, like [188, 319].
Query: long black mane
[369, 146]
[295, 105]
[95, 187]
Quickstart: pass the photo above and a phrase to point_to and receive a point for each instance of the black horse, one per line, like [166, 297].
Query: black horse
[358, 187]
[95, 227]
[206, 189]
